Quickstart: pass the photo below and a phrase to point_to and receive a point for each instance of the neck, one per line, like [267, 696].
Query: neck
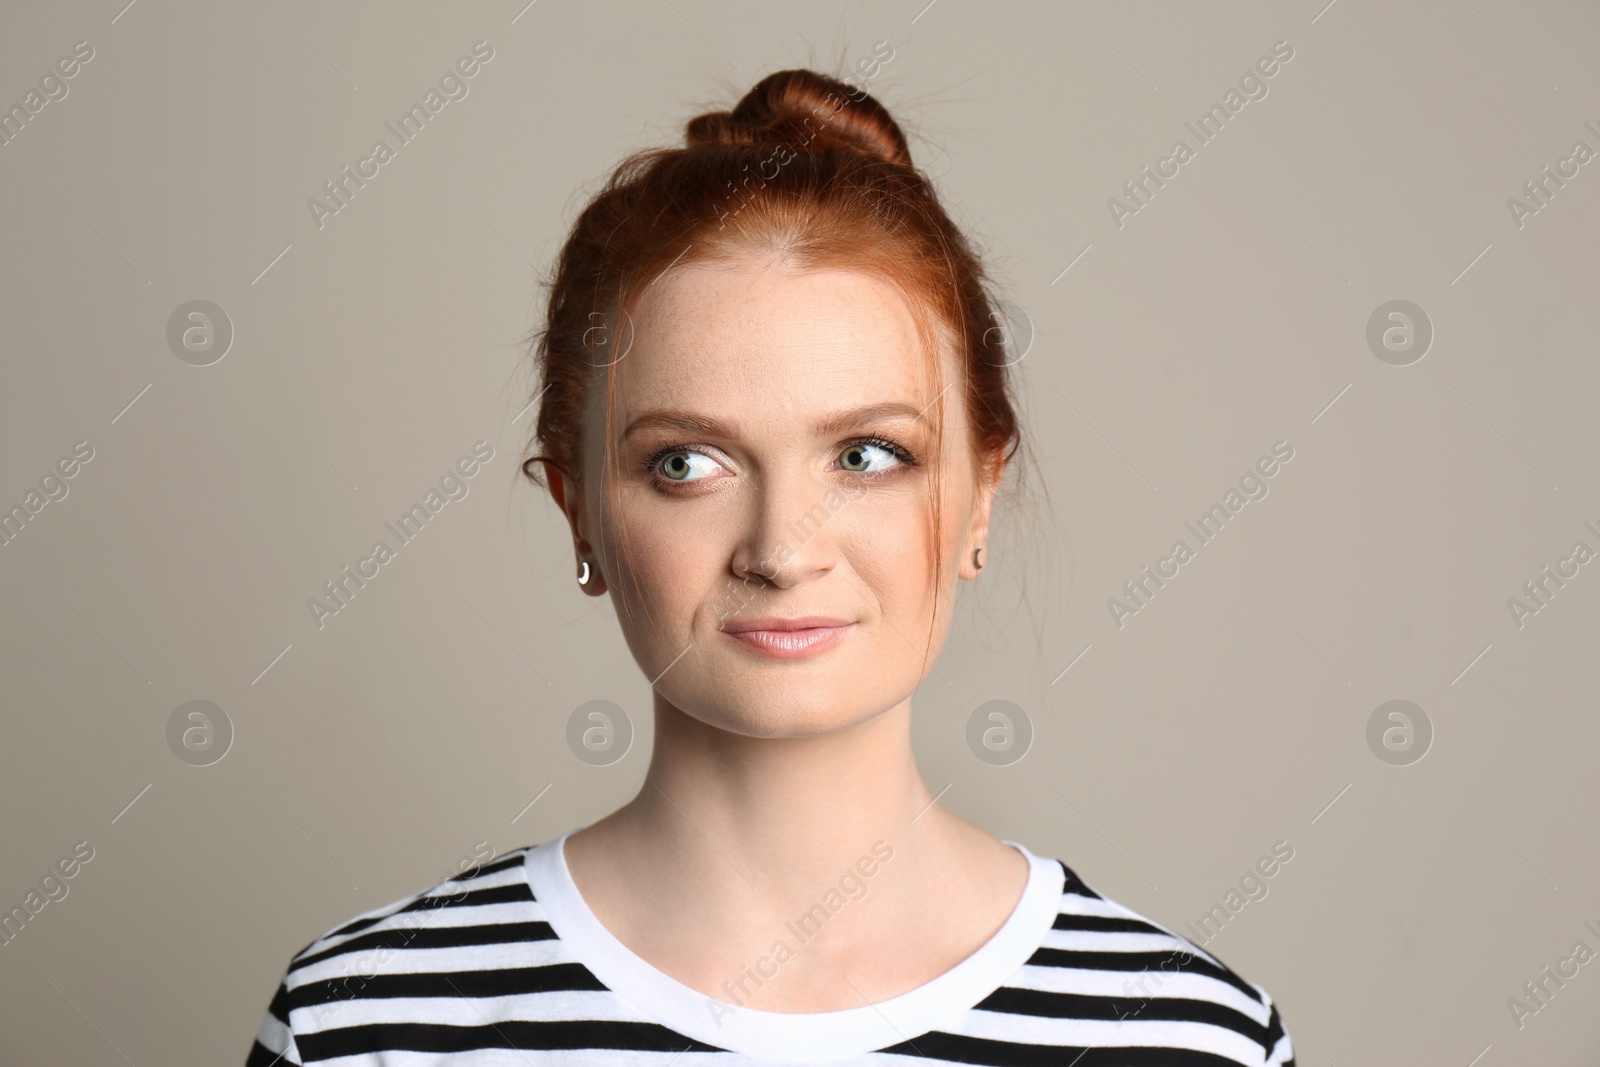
[736, 843]
[775, 812]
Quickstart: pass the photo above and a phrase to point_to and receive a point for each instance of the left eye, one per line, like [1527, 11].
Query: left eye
[857, 457]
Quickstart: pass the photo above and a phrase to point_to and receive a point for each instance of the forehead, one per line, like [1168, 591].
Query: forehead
[774, 335]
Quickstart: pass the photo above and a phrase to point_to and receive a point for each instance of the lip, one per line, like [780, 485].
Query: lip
[788, 638]
[782, 622]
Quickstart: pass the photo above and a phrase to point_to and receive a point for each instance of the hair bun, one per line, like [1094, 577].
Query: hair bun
[808, 111]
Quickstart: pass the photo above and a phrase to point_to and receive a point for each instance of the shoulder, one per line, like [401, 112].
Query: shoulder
[440, 916]
[439, 942]
[1152, 983]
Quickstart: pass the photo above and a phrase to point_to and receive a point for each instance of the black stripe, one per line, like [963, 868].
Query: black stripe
[1274, 1034]
[279, 1007]
[955, 1048]
[429, 1037]
[1110, 924]
[514, 893]
[505, 861]
[505, 982]
[262, 1056]
[1071, 883]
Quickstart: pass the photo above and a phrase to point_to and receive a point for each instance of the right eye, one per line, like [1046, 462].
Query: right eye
[680, 465]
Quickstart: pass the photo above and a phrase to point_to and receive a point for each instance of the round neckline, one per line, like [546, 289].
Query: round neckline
[793, 1037]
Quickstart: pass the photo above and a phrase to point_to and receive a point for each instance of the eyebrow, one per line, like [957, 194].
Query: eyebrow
[691, 422]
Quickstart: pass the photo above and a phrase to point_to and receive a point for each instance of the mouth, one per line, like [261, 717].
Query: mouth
[788, 638]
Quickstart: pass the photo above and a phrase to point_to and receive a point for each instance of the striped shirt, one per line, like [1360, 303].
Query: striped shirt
[508, 966]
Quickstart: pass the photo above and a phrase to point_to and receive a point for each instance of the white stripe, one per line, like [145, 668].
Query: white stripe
[561, 1006]
[1075, 904]
[273, 1034]
[600, 1058]
[1111, 941]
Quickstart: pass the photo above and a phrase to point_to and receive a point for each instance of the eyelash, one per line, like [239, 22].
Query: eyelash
[900, 452]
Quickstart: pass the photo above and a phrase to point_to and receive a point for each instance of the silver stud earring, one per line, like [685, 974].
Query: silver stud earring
[583, 576]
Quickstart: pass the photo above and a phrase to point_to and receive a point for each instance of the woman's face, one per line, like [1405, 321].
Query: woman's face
[773, 436]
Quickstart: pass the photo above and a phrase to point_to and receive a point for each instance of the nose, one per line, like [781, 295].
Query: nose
[789, 534]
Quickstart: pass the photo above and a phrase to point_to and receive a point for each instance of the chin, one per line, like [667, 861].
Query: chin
[779, 716]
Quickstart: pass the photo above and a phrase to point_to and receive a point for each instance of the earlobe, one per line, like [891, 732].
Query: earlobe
[980, 520]
[972, 564]
[590, 579]
[560, 487]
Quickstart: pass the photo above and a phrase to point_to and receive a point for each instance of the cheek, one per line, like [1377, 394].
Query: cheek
[669, 551]
[895, 542]
[675, 573]
[887, 544]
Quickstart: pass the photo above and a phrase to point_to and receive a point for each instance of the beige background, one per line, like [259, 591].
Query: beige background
[1228, 314]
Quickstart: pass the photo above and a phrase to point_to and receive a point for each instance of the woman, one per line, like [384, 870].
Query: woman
[776, 420]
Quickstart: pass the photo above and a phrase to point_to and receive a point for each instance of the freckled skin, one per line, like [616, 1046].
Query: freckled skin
[783, 349]
[769, 777]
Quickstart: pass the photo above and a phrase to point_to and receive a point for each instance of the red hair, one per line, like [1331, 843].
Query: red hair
[805, 169]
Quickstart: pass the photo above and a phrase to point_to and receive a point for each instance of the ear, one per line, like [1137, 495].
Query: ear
[990, 475]
[568, 498]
